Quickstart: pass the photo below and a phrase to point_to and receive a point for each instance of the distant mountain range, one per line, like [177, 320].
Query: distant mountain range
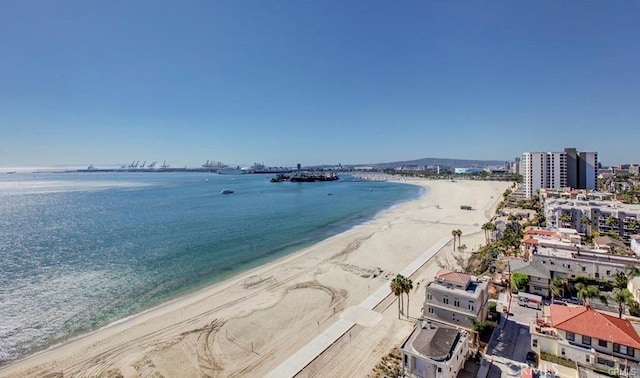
[455, 163]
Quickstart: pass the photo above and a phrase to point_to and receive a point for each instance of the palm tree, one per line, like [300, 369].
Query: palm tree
[459, 234]
[612, 221]
[454, 233]
[397, 289]
[585, 221]
[488, 228]
[565, 219]
[485, 228]
[586, 293]
[556, 287]
[407, 286]
[621, 297]
[634, 224]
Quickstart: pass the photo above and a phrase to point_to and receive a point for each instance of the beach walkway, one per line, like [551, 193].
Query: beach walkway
[305, 355]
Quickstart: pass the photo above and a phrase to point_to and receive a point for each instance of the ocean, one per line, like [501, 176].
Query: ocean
[79, 251]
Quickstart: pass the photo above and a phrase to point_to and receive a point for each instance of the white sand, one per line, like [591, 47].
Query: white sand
[249, 325]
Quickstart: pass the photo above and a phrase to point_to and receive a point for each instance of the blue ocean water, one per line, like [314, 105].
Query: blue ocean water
[81, 250]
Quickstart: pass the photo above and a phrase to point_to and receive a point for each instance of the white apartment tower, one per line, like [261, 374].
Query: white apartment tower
[543, 170]
[557, 170]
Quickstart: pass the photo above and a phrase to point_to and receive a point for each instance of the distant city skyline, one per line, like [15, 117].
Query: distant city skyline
[331, 82]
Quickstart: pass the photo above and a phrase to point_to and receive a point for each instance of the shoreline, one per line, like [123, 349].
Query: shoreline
[186, 297]
[228, 301]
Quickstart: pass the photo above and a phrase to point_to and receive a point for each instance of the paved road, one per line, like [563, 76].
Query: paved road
[510, 343]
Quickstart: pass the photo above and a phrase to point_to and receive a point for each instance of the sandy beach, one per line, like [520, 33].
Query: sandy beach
[249, 325]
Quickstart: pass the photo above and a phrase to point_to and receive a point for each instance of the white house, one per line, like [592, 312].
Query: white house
[434, 351]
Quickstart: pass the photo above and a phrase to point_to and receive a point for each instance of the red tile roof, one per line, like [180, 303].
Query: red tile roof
[454, 277]
[528, 239]
[588, 322]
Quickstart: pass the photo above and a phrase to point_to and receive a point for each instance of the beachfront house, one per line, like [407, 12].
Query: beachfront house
[457, 299]
[434, 350]
[587, 337]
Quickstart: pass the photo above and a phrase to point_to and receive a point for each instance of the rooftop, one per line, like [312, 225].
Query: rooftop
[457, 278]
[589, 322]
[433, 341]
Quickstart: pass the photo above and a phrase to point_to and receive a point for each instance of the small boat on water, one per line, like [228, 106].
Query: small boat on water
[226, 191]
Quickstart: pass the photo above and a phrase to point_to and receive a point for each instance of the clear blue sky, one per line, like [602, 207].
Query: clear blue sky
[281, 82]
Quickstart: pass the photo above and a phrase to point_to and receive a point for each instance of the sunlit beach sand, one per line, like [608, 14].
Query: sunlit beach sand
[249, 325]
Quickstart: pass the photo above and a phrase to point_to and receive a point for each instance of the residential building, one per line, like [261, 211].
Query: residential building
[575, 194]
[456, 298]
[543, 170]
[565, 257]
[515, 168]
[539, 276]
[434, 350]
[558, 170]
[588, 216]
[588, 337]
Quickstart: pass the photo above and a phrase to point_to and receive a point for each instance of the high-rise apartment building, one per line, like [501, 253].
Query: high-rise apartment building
[557, 170]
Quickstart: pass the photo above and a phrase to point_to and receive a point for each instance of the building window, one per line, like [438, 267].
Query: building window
[456, 302]
[584, 268]
[603, 361]
[623, 349]
[587, 359]
[429, 296]
[534, 343]
[431, 310]
[439, 370]
[562, 351]
[586, 340]
[571, 336]
[445, 300]
[602, 343]
[608, 272]
[568, 266]
[472, 306]
[597, 275]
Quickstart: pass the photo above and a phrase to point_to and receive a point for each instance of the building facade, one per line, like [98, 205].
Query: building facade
[456, 298]
[604, 217]
[556, 170]
[587, 337]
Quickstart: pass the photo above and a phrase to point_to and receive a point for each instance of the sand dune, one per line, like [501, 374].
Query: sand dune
[249, 325]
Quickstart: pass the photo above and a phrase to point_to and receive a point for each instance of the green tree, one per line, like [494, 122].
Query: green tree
[633, 224]
[459, 234]
[587, 292]
[488, 229]
[454, 233]
[586, 221]
[519, 281]
[611, 221]
[556, 287]
[397, 289]
[565, 219]
[622, 297]
[407, 286]
[620, 280]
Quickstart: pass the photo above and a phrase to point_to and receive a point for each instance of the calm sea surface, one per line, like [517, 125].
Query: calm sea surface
[81, 250]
